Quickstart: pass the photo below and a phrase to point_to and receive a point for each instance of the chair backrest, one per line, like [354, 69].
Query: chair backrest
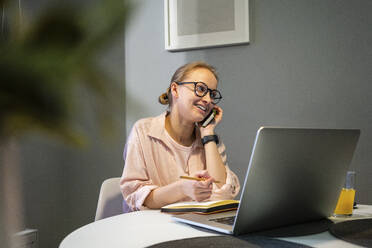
[110, 200]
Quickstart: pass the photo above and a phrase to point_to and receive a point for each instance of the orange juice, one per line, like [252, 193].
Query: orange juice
[345, 202]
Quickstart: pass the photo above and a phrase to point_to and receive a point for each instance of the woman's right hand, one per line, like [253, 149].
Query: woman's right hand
[198, 190]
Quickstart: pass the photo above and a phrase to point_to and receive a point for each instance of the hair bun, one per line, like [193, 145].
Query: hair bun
[163, 99]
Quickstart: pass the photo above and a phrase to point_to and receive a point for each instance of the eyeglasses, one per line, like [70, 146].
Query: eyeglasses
[201, 89]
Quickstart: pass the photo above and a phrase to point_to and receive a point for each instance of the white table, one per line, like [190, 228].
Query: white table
[145, 228]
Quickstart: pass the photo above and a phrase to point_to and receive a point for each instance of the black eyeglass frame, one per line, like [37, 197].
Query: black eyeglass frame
[214, 100]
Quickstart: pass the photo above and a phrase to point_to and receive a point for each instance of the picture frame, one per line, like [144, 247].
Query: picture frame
[194, 24]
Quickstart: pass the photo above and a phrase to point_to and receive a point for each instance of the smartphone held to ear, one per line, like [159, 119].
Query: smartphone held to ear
[209, 118]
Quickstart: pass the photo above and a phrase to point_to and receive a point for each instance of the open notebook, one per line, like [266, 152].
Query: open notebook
[208, 207]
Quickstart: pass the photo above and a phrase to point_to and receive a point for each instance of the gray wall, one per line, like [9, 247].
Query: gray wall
[60, 182]
[308, 65]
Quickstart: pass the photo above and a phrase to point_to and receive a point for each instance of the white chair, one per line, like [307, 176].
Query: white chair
[110, 200]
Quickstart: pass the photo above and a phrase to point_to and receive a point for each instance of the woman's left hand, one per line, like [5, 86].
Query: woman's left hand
[209, 129]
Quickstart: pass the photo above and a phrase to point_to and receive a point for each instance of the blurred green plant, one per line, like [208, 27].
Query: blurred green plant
[44, 63]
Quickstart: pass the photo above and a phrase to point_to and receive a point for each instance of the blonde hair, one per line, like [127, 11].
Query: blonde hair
[180, 74]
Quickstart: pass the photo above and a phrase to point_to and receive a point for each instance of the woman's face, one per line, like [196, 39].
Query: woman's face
[192, 107]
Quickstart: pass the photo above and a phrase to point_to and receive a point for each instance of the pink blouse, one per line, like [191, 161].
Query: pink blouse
[153, 159]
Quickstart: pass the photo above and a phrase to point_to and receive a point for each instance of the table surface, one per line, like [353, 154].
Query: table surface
[145, 228]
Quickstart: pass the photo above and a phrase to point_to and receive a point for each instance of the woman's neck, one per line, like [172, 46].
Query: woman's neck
[182, 132]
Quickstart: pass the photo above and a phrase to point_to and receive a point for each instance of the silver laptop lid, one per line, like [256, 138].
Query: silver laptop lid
[294, 176]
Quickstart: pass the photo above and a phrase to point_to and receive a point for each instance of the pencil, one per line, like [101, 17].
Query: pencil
[196, 178]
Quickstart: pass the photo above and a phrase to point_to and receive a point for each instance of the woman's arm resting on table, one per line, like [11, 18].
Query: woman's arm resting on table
[174, 192]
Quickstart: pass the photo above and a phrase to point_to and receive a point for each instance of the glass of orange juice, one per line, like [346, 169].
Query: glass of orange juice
[345, 202]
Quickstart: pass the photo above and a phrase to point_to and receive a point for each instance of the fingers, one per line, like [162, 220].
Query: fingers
[202, 174]
[215, 122]
[219, 110]
[203, 194]
[206, 185]
[203, 190]
[200, 190]
[219, 115]
[209, 181]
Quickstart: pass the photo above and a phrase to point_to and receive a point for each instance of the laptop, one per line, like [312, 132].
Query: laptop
[294, 176]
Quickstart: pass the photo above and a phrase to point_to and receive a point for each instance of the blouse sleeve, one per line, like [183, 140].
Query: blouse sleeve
[231, 188]
[135, 184]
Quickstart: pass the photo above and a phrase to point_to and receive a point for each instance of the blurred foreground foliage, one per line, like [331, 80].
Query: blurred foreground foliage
[43, 63]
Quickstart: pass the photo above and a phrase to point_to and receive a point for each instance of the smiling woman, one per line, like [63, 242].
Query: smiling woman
[161, 149]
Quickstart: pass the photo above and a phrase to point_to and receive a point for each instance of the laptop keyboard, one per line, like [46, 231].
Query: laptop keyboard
[225, 220]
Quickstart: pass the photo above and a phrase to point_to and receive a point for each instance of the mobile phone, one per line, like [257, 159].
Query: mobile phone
[209, 118]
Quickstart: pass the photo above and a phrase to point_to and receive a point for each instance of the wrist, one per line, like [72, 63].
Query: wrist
[181, 188]
[207, 133]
